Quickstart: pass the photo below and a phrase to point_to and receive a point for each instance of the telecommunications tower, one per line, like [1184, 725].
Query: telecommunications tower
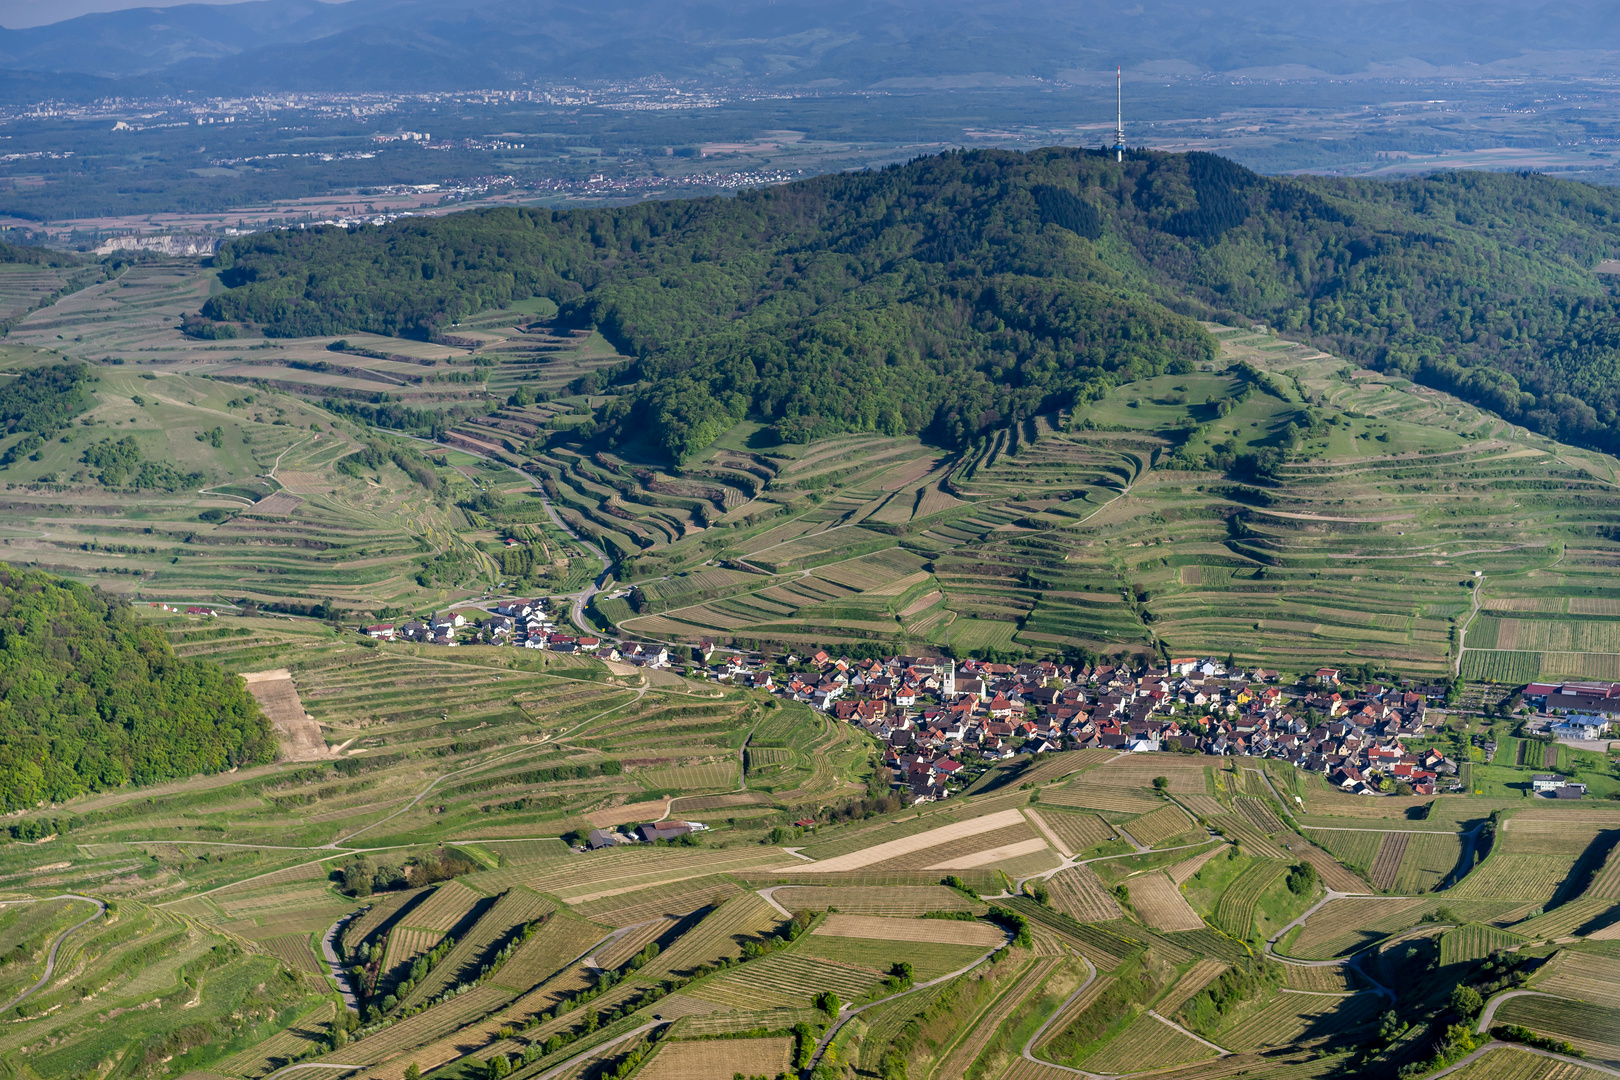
[1119, 114]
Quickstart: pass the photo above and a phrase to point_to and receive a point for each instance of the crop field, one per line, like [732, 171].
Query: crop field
[637, 905]
[940, 931]
[294, 951]
[1234, 913]
[1148, 1043]
[930, 959]
[1161, 825]
[1387, 860]
[1193, 980]
[973, 1040]
[563, 939]
[445, 908]
[1077, 832]
[500, 922]
[1587, 914]
[704, 1060]
[1077, 793]
[1345, 925]
[1508, 1063]
[902, 901]
[1474, 942]
[1582, 976]
[1515, 877]
[1593, 1029]
[1161, 904]
[1359, 848]
[719, 936]
[405, 944]
[1181, 872]
[1429, 860]
[1339, 979]
[300, 1038]
[784, 981]
[707, 776]
[860, 856]
[1296, 1018]
[1606, 882]
[1239, 830]
[1079, 894]
[421, 1029]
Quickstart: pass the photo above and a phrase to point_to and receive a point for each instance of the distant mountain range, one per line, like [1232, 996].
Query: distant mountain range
[271, 45]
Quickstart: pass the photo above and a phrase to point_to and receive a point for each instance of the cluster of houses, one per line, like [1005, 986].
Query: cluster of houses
[523, 624]
[935, 715]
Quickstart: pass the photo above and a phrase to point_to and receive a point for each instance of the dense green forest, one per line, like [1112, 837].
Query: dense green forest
[953, 294]
[91, 699]
[43, 399]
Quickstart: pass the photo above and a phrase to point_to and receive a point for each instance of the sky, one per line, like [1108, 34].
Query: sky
[17, 14]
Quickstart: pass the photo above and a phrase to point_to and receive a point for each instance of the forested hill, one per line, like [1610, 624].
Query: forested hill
[955, 293]
[91, 699]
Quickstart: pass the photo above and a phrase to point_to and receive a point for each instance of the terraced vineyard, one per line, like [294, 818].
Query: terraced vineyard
[1065, 530]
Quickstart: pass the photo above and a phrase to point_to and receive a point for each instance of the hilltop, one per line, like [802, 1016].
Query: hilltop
[958, 294]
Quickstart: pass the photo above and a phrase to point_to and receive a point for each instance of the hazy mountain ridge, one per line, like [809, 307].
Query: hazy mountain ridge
[414, 44]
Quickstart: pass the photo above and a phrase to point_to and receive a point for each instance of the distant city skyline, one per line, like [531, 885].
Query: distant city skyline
[21, 14]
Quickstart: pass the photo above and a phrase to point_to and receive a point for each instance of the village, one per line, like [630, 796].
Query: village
[943, 722]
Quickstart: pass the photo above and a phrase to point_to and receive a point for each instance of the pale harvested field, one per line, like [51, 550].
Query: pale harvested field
[1161, 904]
[905, 845]
[297, 731]
[940, 931]
[996, 854]
[709, 1059]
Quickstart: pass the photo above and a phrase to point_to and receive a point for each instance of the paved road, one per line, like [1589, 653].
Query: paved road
[50, 960]
[1028, 1052]
[1495, 1045]
[574, 1061]
[1462, 635]
[335, 963]
[849, 1012]
[1489, 1014]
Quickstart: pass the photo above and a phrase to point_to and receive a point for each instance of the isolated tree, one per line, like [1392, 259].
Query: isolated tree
[1466, 1002]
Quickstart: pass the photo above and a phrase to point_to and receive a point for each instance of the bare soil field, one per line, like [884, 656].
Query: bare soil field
[300, 735]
